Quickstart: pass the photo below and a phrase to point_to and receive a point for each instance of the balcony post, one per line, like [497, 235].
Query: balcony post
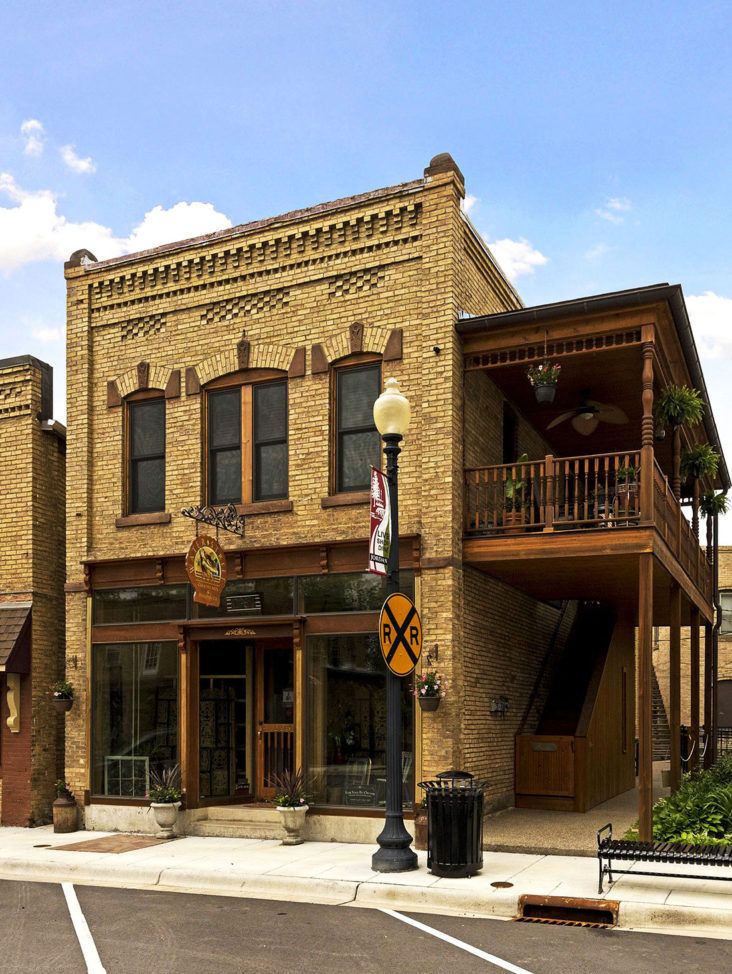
[549, 493]
[694, 689]
[647, 457]
[708, 691]
[674, 678]
[645, 701]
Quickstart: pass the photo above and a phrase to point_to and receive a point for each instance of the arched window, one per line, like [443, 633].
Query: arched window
[145, 422]
[356, 442]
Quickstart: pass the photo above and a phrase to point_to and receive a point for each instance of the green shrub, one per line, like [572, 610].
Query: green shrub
[700, 811]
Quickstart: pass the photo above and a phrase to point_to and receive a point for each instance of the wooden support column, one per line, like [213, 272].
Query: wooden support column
[708, 690]
[674, 668]
[676, 463]
[647, 426]
[645, 697]
[694, 686]
[549, 493]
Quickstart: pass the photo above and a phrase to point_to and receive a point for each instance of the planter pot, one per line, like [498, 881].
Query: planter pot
[62, 705]
[545, 393]
[420, 829]
[429, 704]
[293, 820]
[64, 815]
[166, 814]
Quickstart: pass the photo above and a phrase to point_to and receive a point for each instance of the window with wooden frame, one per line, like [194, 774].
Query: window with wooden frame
[356, 443]
[146, 454]
[246, 453]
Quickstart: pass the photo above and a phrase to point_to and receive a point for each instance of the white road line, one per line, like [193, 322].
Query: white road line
[83, 934]
[491, 958]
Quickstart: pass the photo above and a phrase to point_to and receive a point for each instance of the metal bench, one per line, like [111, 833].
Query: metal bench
[673, 853]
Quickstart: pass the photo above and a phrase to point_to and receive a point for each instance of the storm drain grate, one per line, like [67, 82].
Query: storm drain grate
[567, 911]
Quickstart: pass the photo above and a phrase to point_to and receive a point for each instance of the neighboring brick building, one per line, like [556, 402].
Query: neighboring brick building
[32, 525]
[241, 368]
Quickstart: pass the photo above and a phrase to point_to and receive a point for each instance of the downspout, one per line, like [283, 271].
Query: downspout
[715, 634]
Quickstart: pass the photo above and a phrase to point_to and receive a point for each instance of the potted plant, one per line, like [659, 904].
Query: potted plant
[291, 803]
[64, 809]
[675, 407]
[710, 505]
[429, 689]
[516, 499]
[544, 378]
[699, 462]
[62, 694]
[165, 798]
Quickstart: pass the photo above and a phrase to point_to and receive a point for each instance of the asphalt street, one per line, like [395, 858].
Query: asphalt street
[136, 932]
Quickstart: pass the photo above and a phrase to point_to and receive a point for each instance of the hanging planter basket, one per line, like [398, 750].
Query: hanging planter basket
[544, 378]
[545, 393]
[62, 705]
[429, 704]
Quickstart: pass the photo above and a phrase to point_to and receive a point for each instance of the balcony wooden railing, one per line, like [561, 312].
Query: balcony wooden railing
[570, 493]
[553, 493]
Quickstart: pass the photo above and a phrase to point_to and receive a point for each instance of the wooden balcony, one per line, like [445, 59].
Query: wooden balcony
[577, 506]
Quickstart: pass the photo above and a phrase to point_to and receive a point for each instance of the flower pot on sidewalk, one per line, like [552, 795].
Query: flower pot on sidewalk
[65, 814]
[293, 822]
[166, 815]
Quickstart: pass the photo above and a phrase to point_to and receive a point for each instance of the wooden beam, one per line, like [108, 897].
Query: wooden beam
[708, 691]
[645, 701]
[694, 687]
[674, 654]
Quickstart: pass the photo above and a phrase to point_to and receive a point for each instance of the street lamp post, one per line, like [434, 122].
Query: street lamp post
[391, 416]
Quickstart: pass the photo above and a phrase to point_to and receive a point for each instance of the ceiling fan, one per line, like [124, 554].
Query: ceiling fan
[589, 414]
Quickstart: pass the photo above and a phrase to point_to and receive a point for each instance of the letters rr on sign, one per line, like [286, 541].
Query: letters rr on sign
[400, 634]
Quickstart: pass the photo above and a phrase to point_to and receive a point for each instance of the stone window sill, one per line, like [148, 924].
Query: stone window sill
[346, 499]
[138, 520]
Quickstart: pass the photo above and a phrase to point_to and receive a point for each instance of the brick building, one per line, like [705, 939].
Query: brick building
[240, 368]
[32, 523]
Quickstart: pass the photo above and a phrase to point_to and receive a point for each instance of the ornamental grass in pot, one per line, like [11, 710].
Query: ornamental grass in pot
[290, 801]
[165, 796]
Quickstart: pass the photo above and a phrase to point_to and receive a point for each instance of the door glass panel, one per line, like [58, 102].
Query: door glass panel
[278, 686]
[224, 737]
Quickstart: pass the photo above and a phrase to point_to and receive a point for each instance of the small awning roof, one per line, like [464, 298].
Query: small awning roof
[15, 619]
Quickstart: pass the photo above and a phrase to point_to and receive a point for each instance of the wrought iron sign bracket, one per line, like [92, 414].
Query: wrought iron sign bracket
[227, 518]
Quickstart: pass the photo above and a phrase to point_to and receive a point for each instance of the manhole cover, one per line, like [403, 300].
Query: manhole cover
[502, 885]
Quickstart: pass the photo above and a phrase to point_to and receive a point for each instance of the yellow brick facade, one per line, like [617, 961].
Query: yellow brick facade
[32, 570]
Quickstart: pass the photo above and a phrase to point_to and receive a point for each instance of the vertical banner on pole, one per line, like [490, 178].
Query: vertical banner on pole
[380, 533]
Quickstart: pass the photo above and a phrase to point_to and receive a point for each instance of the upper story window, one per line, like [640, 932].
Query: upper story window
[725, 599]
[146, 453]
[357, 441]
[247, 443]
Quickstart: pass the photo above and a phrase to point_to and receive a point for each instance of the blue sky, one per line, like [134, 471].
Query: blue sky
[595, 139]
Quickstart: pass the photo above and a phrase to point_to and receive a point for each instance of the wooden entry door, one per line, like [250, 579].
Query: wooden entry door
[275, 714]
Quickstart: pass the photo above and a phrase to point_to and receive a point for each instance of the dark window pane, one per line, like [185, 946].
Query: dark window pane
[155, 604]
[148, 485]
[349, 592]
[147, 420]
[224, 418]
[357, 453]
[134, 715]
[358, 390]
[270, 467]
[225, 467]
[270, 411]
[253, 596]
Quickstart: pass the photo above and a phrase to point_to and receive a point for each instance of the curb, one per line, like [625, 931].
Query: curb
[365, 894]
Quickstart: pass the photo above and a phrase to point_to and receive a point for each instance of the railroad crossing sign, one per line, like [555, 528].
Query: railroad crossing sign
[400, 634]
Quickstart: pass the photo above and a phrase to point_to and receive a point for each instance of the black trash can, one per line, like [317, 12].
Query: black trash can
[454, 824]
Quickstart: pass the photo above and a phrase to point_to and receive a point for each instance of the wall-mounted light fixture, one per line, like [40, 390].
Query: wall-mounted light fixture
[498, 706]
[432, 655]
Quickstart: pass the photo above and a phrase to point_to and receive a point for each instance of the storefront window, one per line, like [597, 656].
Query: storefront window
[349, 592]
[154, 604]
[134, 715]
[346, 732]
[253, 597]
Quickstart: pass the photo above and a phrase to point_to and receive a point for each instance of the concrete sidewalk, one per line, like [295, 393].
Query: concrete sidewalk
[338, 873]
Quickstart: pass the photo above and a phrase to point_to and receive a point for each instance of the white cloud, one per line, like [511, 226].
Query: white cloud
[614, 208]
[32, 229]
[34, 137]
[75, 162]
[711, 319]
[48, 336]
[468, 203]
[597, 252]
[516, 257]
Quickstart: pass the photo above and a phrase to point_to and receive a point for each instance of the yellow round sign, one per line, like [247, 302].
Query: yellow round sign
[400, 634]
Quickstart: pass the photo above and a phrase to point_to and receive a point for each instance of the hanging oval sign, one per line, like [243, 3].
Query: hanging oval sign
[206, 569]
[400, 634]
